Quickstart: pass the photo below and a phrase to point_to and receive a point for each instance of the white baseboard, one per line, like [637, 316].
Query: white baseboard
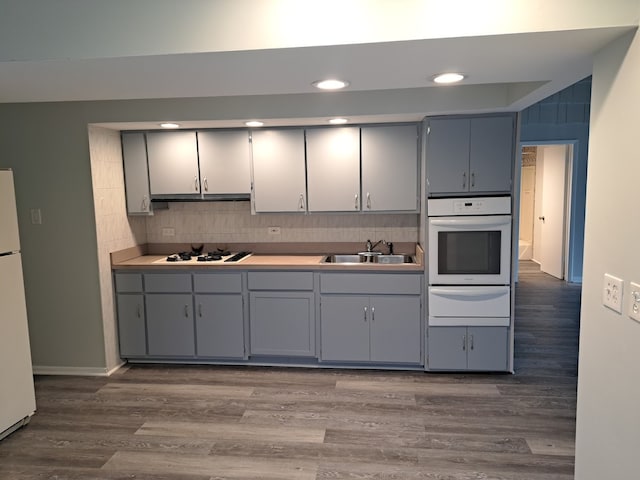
[78, 371]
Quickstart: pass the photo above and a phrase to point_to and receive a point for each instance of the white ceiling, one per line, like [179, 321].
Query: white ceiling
[516, 69]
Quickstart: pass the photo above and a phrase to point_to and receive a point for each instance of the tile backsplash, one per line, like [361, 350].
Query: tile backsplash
[232, 222]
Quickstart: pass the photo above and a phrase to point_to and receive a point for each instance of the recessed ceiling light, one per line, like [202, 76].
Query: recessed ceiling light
[338, 121]
[330, 84]
[254, 123]
[448, 78]
[170, 125]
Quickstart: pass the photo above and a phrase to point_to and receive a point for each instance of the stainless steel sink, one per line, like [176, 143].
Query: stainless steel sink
[369, 258]
[342, 258]
[394, 259]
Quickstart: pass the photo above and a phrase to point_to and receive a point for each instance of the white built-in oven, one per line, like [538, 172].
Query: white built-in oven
[470, 241]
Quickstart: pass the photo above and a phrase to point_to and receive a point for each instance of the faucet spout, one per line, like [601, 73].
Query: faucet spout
[371, 246]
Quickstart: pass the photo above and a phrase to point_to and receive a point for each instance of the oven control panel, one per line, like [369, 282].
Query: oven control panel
[438, 207]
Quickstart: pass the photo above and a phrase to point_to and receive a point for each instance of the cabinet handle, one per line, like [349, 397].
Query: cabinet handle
[373, 314]
[473, 179]
[139, 311]
[145, 205]
[464, 179]
[206, 184]
[355, 205]
[470, 342]
[195, 183]
[365, 314]
[301, 202]
[200, 310]
[186, 311]
[464, 342]
[368, 200]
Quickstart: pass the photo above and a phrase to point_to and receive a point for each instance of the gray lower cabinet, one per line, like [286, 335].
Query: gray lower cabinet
[220, 325]
[170, 319]
[170, 325]
[131, 325]
[130, 309]
[281, 313]
[359, 328]
[282, 323]
[468, 348]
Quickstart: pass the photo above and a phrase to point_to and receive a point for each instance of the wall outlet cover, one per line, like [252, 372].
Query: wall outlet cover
[612, 290]
[634, 302]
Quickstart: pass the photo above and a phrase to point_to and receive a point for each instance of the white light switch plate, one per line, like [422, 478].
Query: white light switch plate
[634, 302]
[612, 292]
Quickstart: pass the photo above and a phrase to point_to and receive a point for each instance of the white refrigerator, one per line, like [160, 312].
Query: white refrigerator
[17, 397]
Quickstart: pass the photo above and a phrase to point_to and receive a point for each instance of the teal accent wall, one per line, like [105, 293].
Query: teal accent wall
[564, 117]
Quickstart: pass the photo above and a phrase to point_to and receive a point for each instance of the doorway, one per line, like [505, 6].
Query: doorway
[545, 196]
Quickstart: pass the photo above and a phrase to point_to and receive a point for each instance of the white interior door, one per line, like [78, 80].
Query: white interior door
[551, 220]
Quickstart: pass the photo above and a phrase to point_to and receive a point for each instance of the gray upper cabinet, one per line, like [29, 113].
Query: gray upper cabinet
[333, 169]
[470, 154]
[225, 162]
[279, 176]
[136, 175]
[173, 164]
[390, 168]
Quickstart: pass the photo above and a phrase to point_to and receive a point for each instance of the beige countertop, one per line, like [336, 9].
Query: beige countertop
[138, 258]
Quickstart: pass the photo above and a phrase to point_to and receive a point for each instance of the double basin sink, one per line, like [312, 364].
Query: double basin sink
[369, 257]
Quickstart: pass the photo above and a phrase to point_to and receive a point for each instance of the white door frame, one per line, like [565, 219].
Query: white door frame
[572, 147]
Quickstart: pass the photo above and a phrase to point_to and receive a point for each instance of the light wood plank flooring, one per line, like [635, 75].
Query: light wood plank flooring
[212, 423]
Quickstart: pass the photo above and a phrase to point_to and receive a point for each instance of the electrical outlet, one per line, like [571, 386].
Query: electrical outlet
[36, 216]
[612, 293]
[634, 302]
[169, 232]
[274, 231]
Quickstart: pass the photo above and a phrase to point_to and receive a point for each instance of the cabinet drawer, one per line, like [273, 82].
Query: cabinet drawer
[469, 301]
[280, 281]
[128, 282]
[384, 283]
[217, 283]
[166, 282]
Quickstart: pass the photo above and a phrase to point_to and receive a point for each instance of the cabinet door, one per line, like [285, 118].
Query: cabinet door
[131, 327]
[491, 154]
[173, 163]
[487, 348]
[282, 323]
[225, 162]
[448, 155]
[344, 328]
[136, 175]
[170, 327]
[279, 183]
[447, 348]
[333, 169]
[390, 168]
[220, 326]
[395, 329]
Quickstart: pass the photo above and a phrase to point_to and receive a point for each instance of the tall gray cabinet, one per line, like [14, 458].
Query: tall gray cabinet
[470, 154]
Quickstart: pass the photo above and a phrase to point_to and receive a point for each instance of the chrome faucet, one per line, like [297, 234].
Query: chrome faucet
[371, 246]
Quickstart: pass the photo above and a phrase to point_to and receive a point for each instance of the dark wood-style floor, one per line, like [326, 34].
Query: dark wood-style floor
[206, 423]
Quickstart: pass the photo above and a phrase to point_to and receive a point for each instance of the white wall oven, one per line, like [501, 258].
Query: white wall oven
[469, 261]
[470, 241]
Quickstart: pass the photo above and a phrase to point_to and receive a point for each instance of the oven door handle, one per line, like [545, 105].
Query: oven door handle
[470, 291]
[470, 222]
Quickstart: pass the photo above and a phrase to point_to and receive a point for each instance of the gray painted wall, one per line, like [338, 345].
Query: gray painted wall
[608, 417]
[564, 117]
